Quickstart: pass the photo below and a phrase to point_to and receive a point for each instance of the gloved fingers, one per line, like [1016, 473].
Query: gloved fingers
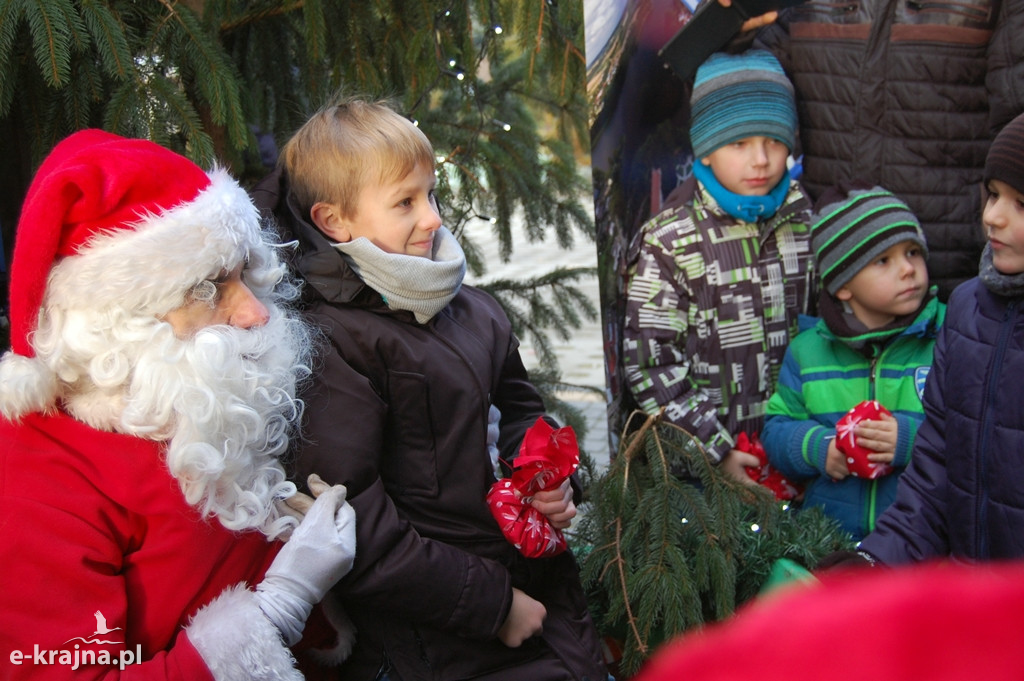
[345, 522]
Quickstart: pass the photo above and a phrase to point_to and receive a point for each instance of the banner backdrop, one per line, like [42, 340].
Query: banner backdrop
[639, 148]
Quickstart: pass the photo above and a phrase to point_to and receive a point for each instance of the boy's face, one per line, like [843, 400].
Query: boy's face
[1003, 218]
[398, 217]
[751, 166]
[890, 286]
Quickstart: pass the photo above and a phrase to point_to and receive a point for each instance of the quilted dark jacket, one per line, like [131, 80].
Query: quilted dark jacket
[963, 493]
[906, 94]
[397, 411]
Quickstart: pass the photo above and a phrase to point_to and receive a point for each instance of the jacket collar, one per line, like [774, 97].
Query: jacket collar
[325, 273]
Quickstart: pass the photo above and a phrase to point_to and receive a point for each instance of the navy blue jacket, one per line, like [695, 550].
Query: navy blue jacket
[963, 493]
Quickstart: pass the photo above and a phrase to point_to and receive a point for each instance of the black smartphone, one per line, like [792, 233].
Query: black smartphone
[710, 29]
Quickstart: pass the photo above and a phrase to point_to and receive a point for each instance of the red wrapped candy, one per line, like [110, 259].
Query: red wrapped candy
[764, 474]
[546, 458]
[846, 440]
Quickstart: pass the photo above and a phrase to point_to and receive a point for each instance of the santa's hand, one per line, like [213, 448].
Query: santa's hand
[319, 553]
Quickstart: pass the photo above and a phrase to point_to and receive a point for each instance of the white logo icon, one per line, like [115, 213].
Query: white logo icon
[101, 630]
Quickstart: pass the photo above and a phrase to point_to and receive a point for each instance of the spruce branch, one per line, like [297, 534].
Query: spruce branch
[670, 543]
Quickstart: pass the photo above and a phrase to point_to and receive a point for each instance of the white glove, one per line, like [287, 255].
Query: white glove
[319, 552]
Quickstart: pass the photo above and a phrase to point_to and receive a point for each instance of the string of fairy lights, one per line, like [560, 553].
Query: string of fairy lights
[450, 67]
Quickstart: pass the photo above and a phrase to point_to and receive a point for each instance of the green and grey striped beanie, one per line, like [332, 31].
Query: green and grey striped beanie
[852, 225]
[741, 95]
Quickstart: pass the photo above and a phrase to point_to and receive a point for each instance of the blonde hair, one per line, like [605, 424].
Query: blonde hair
[347, 144]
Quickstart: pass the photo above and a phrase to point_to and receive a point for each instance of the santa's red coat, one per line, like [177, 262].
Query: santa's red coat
[93, 522]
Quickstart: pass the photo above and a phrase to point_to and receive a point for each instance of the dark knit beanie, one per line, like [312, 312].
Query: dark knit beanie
[741, 95]
[1005, 161]
[854, 224]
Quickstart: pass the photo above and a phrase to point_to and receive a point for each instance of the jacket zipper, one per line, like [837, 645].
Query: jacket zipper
[981, 543]
[827, 9]
[869, 520]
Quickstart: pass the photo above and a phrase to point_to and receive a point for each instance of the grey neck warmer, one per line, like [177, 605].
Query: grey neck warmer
[408, 282]
[1008, 285]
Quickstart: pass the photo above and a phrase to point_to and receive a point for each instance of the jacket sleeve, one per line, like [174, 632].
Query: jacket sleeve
[913, 528]
[795, 442]
[1005, 78]
[654, 347]
[518, 401]
[417, 578]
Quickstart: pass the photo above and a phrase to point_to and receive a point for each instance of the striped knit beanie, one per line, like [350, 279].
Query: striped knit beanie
[854, 224]
[741, 95]
[1005, 161]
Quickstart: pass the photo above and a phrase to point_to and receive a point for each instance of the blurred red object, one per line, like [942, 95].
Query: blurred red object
[764, 474]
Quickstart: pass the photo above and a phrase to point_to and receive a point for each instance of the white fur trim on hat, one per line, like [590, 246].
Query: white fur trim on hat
[148, 269]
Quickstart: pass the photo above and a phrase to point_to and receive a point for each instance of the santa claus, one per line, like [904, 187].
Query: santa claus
[146, 401]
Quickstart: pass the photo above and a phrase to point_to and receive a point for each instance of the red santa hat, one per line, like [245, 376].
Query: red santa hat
[111, 222]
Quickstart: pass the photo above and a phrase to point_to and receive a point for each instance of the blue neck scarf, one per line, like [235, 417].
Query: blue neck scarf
[748, 208]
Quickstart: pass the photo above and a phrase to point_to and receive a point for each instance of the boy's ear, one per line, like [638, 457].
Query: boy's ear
[328, 220]
[844, 294]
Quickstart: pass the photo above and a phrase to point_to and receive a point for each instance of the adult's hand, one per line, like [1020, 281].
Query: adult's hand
[319, 552]
[753, 23]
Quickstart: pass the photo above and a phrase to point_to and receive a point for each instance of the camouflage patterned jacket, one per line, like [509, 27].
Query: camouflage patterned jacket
[712, 303]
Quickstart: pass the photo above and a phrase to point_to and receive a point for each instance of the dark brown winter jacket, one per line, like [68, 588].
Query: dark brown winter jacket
[397, 411]
[907, 94]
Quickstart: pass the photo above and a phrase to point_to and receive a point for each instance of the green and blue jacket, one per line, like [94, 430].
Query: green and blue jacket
[823, 376]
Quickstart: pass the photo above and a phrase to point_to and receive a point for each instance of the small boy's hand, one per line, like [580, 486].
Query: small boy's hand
[556, 504]
[878, 436]
[735, 464]
[835, 462]
[525, 620]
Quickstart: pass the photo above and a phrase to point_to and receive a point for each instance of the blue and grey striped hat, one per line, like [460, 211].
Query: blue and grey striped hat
[852, 224]
[741, 95]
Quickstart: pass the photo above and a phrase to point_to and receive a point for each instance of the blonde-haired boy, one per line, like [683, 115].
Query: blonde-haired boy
[416, 365]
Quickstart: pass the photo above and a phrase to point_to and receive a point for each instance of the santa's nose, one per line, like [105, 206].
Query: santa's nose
[245, 310]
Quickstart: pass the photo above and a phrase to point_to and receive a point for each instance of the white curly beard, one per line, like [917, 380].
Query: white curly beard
[223, 400]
